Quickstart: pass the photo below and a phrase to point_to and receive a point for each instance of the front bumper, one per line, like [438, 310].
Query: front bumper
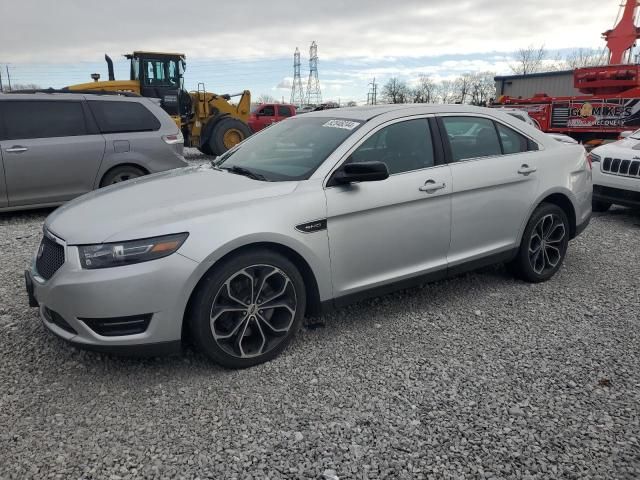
[617, 189]
[102, 309]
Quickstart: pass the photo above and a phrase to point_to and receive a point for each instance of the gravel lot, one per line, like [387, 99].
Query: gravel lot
[475, 377]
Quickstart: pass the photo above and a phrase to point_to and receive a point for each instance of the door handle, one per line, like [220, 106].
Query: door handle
[430, 186]
[526, 170]
[16, 149]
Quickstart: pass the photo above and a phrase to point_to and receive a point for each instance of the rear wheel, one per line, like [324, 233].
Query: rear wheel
[544, 244]
[600, 206]
[248, 309]
[227, 133]
[121, 174]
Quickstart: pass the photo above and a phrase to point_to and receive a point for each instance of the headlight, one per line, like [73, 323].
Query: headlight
[107, 255]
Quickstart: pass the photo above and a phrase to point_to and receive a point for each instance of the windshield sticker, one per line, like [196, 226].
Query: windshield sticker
[346, 124]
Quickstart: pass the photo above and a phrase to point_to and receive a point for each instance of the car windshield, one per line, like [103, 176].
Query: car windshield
[289, 150]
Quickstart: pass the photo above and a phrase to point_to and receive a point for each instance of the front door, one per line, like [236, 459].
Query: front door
[384, 232]
[494, 185]
[50, 154]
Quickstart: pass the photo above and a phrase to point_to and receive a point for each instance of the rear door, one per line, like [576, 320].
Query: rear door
[51, 150]
[493, 170]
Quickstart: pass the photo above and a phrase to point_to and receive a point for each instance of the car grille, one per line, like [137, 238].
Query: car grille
[50, 258]
[625, 168]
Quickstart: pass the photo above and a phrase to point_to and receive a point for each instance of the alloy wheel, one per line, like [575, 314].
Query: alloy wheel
[546, 243]
[123, 177]
[253, 311]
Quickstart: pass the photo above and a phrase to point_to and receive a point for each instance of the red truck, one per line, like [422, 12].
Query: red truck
[267, 113]
[610, 100]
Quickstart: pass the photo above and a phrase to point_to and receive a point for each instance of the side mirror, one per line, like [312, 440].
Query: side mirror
[360, 172]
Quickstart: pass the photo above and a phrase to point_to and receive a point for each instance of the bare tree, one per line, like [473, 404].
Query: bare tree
[266, 98]
[20, 86]
[529, 60]
[446, 91]
[584, 57]
[395, 91]
[462, 86]
[425, 91]
[483, 88]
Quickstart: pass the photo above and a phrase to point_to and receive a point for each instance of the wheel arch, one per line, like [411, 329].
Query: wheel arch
[144, 169]
[563, 200]
[310, 281]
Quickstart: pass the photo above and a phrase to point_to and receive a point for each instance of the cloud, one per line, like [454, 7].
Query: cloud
[285, 84]
[71, 31]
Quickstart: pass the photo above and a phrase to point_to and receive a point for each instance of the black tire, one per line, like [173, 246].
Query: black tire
[552, 240]
[120, 174]
[216, 141]
[204, 149]
[218, 306]
[600, 206]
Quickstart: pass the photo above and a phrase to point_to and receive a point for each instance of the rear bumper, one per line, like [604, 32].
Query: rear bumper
[581, 227]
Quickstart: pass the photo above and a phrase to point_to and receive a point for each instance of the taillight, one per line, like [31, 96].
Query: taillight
[592, 157]
[173, 139]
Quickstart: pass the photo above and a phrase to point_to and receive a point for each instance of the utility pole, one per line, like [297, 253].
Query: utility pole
[297, 94]
[314, 95]
[372, 96]
[8, 77]
[1, 89]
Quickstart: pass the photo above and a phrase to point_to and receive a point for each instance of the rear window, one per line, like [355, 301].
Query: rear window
[119, 117]
[41, 119]
[284, 111]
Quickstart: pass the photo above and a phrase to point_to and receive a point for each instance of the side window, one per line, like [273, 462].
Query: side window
[268, 111]
[471, 137]
[403, 146]
[284, 111]
[118, 117]
[42, 119]
[512, 141]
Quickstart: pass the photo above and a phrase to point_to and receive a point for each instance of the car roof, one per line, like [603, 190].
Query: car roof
[65, 96]
[366, 113]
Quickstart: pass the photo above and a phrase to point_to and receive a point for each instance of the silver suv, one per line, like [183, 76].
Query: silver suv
[56, 146]
[311, 213]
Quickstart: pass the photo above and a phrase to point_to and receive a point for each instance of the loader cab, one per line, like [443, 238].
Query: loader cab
[161, 76]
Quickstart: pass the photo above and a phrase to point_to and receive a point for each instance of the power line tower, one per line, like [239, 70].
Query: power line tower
[372, 96]
[314, 95]
[297, 94]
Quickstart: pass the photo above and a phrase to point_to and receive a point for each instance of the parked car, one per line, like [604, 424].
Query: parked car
[313, 213]
[616, 173]
[57, 146]
[304, 109]
[521, 114]
[269, 113]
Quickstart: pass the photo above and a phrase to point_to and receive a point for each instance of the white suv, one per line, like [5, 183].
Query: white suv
[616, 173]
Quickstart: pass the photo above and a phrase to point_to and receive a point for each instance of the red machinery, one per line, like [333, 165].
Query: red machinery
[611, 100]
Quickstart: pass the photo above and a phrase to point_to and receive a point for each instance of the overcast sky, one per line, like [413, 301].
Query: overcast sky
[249, 44]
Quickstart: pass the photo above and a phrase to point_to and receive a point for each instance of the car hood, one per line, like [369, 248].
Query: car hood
[153, 204]
[621, 149]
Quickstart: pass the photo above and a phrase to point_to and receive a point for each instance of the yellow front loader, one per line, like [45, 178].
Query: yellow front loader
[208, 121]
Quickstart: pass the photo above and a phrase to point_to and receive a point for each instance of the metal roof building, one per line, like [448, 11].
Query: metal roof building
[554, 84]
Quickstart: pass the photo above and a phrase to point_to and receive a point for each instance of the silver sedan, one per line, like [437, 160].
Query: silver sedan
[308, 215]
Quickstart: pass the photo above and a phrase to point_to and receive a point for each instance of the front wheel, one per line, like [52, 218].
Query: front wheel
[248, 309]
[226, 134]
[544, 244]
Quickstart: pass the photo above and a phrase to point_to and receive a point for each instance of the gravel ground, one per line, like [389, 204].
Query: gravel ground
[480, 376]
